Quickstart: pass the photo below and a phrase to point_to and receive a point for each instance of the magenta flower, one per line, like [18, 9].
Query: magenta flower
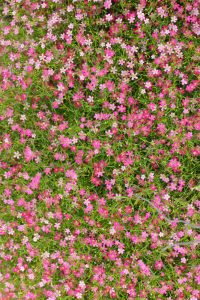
[34, 184]
[174, 164]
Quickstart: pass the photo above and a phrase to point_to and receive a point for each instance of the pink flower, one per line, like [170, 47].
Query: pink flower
[35, 182]
[197, 279]
[112, 255]
[29, 154]
[161, 128]
[159, 265]
[96, 144]
[107, 4]
[72, 174]
[64, 141]
[144, 268]
[174, 164]
[29, 295]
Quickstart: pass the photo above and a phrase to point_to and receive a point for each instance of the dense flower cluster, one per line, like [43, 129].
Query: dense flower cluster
[99, 149]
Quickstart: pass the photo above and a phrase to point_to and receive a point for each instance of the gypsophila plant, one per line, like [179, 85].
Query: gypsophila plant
[99, 149]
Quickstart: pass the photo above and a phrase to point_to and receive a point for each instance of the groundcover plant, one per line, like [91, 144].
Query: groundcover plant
[99, 146]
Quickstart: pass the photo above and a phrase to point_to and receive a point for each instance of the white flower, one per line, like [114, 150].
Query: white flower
[112, 231]
[24, 240]
[19, 215]
[173, 19]
[10, 121]
[109, 17]
[166, 197]
[120, 251]
[11, 232]
[134, 76]
[113, 70]
[17, 155]
[78, 295]
[62, 70]
[23, 118]
[45, 255]
[60, 182]
[90, 99]
[57, 226]
[82, 284]
[36, 237]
